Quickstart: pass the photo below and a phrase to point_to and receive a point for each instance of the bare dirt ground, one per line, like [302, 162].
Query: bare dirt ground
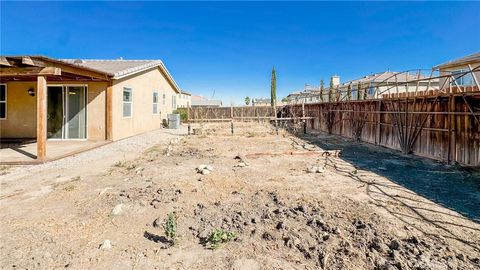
[279, 215]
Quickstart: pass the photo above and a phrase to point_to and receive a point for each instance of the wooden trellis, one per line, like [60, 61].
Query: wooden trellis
[442, 126]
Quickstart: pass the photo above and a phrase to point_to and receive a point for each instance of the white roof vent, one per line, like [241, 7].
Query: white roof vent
[79, 61]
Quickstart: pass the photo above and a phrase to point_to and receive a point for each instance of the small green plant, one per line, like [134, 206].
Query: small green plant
[218, 237]
[170, 227]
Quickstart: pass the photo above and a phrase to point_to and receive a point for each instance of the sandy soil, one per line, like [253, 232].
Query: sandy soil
[59, 215]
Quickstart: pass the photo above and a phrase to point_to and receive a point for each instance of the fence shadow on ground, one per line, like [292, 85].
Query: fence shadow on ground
[452, 187]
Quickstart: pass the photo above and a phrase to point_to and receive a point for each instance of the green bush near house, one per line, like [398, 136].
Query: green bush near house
[182, 112]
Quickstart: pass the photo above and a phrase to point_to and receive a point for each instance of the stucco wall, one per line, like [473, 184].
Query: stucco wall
[448, 71]
[183, 101]
[96, 111]
[143, 85]
[21, 119]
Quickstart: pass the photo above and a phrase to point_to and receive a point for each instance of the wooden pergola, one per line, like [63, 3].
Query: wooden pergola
[42, 69]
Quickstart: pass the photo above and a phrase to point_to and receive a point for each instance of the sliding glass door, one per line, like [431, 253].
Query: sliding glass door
[76, 114]
[55, 112]
[67, 114]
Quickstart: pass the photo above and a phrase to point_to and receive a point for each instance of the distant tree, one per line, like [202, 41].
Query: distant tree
[273, 88]
[321, 90]
[337, 93]
[247, 101]
[285, 100]
[330, 91]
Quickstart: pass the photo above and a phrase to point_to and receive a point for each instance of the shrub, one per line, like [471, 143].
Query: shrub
[171, 228]
[218, 237]
[182, 112]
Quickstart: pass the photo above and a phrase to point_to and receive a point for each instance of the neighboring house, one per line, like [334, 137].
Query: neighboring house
[371, 86]
[262, 102]
[184, 99]
[377, 85]
[463, 73]
[258, 102]
[199, 101]
[46, 98]
[309, 94]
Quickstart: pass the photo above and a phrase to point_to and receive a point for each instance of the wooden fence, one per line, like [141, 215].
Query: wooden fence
[442, 127]
[445, 127]
[211, 114]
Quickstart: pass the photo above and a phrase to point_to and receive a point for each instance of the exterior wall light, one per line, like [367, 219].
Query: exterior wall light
[31, 92]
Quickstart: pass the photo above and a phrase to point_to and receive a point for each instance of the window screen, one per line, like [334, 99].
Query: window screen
[127, 102]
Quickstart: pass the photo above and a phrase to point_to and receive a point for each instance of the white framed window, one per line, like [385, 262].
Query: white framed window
[127, 102]
[465, 80]
[155, 102]
[3, 101]
[174, 102]
[371, 90]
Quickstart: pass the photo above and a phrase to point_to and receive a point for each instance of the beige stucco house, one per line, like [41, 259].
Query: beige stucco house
[46, 98]
[184, 99]
[460, 75]
[371, 86]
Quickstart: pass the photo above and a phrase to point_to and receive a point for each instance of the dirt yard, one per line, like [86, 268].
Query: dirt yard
[260, 201]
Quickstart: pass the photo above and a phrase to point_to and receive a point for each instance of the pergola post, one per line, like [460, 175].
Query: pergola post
[41, 118]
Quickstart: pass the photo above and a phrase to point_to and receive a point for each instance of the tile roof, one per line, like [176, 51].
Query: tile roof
[475, 57]
[202, 101]
[121, 68]
[387, 76]
[113, 69]
[117, 68]
[186, 93]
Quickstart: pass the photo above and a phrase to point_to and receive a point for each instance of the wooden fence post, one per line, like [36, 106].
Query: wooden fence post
[379, 122]
[452, 131]
[231, 118]
[275, 115]
[303, 119]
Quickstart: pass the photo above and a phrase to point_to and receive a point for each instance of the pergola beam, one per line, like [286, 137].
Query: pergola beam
[28, 62]
[30, 71]
[41, 118]
[4, 61]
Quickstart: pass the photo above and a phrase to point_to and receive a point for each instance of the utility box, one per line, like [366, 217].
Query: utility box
[173, 121]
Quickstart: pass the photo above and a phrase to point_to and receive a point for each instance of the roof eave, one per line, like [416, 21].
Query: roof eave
[124, 74]
[456, 64]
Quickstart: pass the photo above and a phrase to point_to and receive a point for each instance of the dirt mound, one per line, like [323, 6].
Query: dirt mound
[320, 237]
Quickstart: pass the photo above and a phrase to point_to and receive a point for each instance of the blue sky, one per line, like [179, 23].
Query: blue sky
[230, 47]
